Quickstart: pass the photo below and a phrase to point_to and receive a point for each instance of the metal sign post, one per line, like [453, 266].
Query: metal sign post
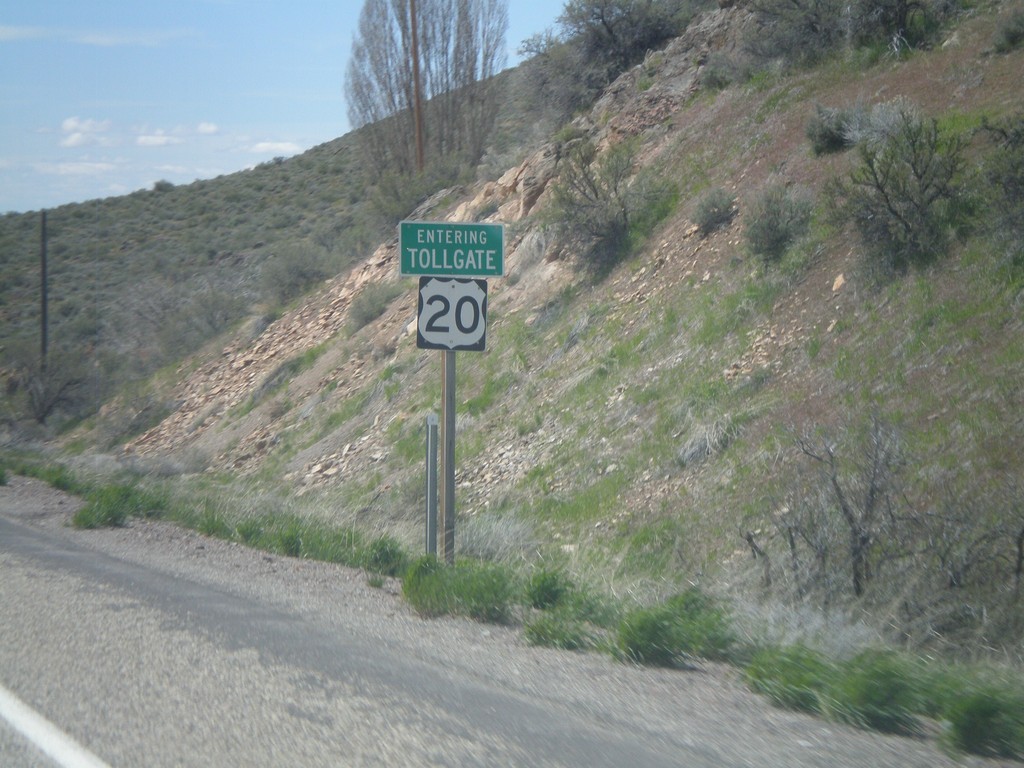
[431, 544]
[447, 490]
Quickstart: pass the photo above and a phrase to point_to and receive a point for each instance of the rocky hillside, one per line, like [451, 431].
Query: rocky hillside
[661, 424]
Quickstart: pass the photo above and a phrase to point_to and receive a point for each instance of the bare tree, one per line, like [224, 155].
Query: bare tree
[61, 383]
[865, 498]
[461, 48]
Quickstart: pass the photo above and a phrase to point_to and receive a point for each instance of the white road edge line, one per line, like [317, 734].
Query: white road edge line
[46, 737]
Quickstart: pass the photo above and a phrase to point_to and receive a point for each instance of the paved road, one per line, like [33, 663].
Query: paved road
[153, 646]
[145, 670]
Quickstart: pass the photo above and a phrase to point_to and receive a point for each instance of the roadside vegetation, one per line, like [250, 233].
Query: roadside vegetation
[979, 707]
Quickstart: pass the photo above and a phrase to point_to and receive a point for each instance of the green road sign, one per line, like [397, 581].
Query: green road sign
[442, 249]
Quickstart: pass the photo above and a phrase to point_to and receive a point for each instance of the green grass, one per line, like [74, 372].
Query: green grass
[555, 612]
[548, 588]
[385, 557]
[494, 388]
[690, 624]
[287, 534]
[212, 523]
[793, 677]
[51, 473]
[113, 505]
[724, 315]
[481, 591]
[877, 690]
[988, 721]
[589, 503]
[559, 629]
[104, 507]
[982, 711]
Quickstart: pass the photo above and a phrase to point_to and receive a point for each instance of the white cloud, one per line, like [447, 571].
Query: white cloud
[157, 138]
[75, 169]
[103, 38]
[10, 34]
[76, 124]
[275, 147]
[80, 133]
[74, 140]
[207, 129]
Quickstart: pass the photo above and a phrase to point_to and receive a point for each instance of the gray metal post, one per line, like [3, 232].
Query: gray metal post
[448, 456]
[431, 483]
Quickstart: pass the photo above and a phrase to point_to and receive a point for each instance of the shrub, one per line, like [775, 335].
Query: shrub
[334, 545]
[548, 589]
[65, 385]
[826, 130]
[558, 629]
[805, 32]
[775, 220]
[876, 690]
[621, 32]
[293, 269]
[107, 506]
[1004, 170]
[385, 557]
[562, 80]
[901, 197]
[425, 587]
[878, 125]
[705, 440]
[793, 677]
[250, 531]
[1010, 34]
[371, 303]
[647, 636]
[592, 198]
[212, 523]
[498, 538]
[689, 624]
[800, 32]
[988, 722]
[287, 540]
[702, 624]
[714, 210]
[483, 592]
[720, 71]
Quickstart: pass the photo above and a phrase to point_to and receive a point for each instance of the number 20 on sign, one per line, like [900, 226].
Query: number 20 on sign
[452, 314]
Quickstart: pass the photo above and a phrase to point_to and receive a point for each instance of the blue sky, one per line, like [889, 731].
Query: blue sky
[104, 97]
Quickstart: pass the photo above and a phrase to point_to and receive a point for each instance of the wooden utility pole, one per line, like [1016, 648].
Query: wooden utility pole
[44, 320]
[446, 484]
[417, 94]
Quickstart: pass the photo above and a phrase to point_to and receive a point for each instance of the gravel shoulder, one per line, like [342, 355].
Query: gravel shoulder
[709, 710]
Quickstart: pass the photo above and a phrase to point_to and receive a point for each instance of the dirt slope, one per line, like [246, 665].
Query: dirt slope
[577, 415]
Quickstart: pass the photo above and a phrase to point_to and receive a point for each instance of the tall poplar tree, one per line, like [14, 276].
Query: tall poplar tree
[461, 48]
